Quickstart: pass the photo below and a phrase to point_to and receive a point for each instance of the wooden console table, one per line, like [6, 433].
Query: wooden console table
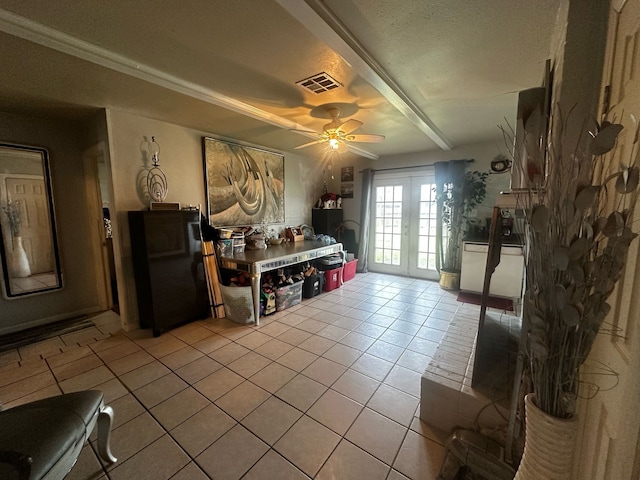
[255, 262]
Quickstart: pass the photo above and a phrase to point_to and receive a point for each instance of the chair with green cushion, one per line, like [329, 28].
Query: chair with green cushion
[43, 439]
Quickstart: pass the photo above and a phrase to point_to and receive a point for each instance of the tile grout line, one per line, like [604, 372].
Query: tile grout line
[235, 340]
[148, 411]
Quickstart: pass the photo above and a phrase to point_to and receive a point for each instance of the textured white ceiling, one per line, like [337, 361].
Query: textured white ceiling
[460, 62]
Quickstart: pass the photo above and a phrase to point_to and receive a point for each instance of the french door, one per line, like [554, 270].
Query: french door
[403, 225]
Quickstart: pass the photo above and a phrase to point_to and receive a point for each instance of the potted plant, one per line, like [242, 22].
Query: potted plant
[459, 198]
[579, 228]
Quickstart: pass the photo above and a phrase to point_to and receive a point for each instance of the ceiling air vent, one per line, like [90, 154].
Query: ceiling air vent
[320, 82]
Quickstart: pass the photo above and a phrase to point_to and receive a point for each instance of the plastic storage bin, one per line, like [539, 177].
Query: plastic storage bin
[329, 262]
[238, 242]
[238, 303]
[225, 232]
[332, 279]
[349, 270]
[312, 285]
[288, 296]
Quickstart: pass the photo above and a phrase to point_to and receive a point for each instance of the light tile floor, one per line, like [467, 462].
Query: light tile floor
[328, 389]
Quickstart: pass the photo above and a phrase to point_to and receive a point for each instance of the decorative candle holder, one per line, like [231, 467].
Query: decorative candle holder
[157, 186]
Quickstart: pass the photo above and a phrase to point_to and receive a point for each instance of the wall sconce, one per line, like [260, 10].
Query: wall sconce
[156, 179]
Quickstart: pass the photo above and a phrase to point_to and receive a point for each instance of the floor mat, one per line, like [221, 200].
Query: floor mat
[37, 334]
[493, 302]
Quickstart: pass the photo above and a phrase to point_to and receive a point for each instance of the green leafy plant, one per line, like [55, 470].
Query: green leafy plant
[459, 199]
[12, 211]
[579, 229]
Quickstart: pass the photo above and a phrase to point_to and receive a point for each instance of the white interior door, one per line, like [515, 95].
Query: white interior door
[35, 229]
[403, 214]
[610, 447]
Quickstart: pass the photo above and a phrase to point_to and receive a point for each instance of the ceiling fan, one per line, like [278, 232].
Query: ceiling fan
[337, 132]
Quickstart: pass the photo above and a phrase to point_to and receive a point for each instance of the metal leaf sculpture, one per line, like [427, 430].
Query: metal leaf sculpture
[605, 139]
[578, 236]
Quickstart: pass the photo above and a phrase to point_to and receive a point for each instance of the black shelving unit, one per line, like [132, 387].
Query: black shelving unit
[169, 272]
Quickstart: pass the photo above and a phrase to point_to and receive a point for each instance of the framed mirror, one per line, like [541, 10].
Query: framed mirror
[28, 241]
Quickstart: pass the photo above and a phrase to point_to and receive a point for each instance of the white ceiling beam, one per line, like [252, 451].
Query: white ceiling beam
[323, 23]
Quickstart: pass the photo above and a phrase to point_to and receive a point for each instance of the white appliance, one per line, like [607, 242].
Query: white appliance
[506, 280]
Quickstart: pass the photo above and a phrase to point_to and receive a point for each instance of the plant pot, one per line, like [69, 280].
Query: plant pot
[450, 280]
[549, 445]
[19, 261]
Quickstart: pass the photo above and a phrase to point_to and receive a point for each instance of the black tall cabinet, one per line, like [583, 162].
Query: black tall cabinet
[326, 221]
[167, 263]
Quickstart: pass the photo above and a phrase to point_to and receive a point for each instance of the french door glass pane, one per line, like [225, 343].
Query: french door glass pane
[424, 226]
[427, 228]
[379, 240]
[388, 221]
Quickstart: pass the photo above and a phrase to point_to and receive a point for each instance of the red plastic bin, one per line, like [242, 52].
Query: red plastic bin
[349, 270]
[332, 279]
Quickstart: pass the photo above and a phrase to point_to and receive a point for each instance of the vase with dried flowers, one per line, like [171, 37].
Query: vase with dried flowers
[579, 228]
[12, 211]
[19, 264]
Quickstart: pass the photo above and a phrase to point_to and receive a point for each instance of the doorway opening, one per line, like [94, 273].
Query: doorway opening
[97, 181]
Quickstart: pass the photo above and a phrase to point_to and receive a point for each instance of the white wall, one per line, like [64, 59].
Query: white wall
[181, 159]
[350, 206]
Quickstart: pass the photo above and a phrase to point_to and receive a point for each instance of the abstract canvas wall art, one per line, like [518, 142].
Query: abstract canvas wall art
[243, 185]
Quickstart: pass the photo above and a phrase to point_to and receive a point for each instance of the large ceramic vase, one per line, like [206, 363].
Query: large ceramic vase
[549, 445]
[19, 261]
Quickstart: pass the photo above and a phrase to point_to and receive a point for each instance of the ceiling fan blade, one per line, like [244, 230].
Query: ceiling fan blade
[366, 138]
[315, 142]
[349, 126]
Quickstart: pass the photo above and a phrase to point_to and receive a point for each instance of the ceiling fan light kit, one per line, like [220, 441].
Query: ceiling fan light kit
[336, 132]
